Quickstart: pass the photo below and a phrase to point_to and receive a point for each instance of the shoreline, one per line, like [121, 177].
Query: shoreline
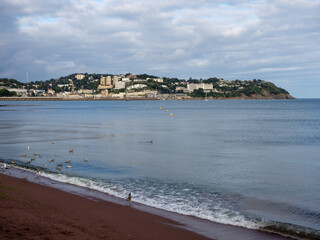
[276, 97]
[163, 222]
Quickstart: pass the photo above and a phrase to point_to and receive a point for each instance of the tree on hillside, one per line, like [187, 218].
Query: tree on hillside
[6, 93]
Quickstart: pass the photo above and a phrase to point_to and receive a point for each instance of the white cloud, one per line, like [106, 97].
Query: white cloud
[231, 39]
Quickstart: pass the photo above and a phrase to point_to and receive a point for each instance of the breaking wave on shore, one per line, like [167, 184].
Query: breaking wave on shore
[182, 198]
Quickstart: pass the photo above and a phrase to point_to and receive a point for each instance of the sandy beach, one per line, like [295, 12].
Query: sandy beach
[39, 208]
[32, 211]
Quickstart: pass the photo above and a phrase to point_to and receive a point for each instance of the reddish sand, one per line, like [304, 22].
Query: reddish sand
[32, 211]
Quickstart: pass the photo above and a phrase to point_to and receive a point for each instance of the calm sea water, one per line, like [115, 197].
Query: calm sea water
[251, 163]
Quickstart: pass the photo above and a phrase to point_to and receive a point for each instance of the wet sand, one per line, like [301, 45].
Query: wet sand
[32, 211]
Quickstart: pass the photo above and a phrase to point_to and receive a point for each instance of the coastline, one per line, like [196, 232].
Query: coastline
[276, 97]
[30, 207]
[30, 210]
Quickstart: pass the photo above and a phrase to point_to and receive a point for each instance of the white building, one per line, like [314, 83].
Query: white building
[85, 91]
[137, 86]
[195, 86]
[80, 76]
[126, 79]
[19, 91]
[120, 85]
[183, 89]
[159, 80]
[64, 85]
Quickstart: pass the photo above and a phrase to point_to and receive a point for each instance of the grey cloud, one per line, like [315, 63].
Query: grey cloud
[273, 40]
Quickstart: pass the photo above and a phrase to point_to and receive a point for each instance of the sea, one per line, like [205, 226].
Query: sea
[248, 163]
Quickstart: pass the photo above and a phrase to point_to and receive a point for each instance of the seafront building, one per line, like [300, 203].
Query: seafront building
[207, 87]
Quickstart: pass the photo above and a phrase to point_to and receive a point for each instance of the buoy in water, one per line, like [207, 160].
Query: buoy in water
[167, 110]
[171, 114]
[160, 108]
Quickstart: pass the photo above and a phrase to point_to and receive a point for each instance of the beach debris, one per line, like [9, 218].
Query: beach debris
[85, 160]
[53, 142]
[67, 161]
[71, 151]
[23, 155]
[68, 166]
[51, 160]
[129, 197]
[13, 162]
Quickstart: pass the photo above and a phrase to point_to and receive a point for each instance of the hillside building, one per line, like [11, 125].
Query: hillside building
[80, 76]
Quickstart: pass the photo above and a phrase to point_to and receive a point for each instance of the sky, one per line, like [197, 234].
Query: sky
[272, 40]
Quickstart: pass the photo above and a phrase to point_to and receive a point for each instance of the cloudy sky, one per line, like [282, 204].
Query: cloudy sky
[274, 40]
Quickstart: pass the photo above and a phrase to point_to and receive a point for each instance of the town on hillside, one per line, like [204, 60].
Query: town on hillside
[141, 86]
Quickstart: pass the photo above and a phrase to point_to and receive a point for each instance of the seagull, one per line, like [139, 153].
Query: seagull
[53, 142]
[71, 151]
[68, 166]
[85, 160]
[129, 197]
[51, 160]
[28, 148]
[4, 166]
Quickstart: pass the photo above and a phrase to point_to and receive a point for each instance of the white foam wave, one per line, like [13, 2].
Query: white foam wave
[163, 201]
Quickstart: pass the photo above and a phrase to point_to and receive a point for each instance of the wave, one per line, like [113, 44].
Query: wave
[290, 230]
[181, 198]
